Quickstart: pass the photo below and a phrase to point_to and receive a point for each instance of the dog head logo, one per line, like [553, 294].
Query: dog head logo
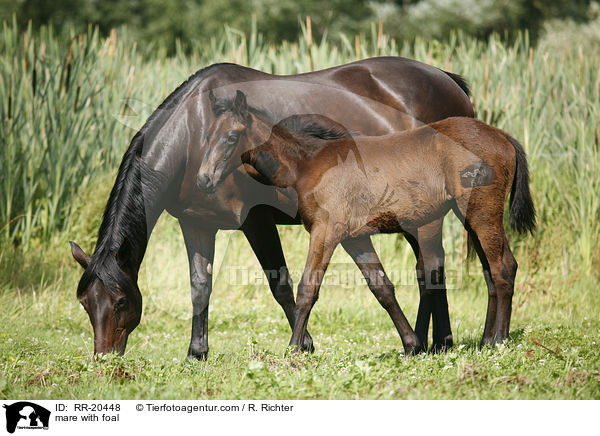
[25, 415]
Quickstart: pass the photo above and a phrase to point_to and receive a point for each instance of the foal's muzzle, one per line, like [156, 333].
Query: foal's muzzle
[205, 183]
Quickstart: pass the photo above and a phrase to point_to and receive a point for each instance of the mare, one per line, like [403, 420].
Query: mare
[160, 168]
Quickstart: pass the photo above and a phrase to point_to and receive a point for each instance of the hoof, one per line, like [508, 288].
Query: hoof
[307, 344]
[201, 355]
[441, 346]
[294, 350]
[413, 348]
[491, 341]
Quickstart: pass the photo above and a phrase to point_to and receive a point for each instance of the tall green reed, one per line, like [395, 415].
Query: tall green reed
[68, 107]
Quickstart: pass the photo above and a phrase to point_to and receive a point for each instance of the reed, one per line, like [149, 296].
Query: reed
[70, 103]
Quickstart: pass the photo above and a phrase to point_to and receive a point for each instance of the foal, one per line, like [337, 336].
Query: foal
[401, 183]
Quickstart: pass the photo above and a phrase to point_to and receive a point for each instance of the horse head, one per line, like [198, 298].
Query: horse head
[110, 296]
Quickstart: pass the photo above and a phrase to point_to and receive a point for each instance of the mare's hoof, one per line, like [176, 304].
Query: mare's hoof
[414, 349]
[197, 355]
[443, 345]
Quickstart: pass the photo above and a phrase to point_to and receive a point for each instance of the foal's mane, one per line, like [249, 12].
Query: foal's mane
[310, 131]
[305, 135]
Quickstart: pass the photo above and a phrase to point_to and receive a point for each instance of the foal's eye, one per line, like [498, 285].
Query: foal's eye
[232, 139]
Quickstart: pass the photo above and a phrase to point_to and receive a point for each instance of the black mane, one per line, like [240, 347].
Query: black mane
[310, 132]
[123, 234]
[312, 125]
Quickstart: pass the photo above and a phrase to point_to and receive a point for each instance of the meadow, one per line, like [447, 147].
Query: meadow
[70, 103]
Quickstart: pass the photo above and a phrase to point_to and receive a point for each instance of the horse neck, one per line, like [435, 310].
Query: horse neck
[131, 211]
[258, 133]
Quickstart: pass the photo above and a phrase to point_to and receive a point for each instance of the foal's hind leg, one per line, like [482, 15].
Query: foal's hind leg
[428, 249]
[499, 265]
[362, 252]
[261, 232]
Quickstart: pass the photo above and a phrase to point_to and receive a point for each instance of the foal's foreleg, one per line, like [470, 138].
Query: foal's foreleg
[200, 246]
[362, 252]
[319, 255]
[261, 232]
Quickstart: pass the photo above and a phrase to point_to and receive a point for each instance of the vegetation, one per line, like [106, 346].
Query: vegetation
[68, 107]
[159, 22]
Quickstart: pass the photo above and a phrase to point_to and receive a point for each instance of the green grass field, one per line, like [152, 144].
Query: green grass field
[68, 108]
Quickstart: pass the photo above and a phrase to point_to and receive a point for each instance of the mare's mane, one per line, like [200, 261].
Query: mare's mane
[123, 234]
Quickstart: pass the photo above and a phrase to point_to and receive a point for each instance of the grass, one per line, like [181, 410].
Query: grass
[67, 111]
[46, 341]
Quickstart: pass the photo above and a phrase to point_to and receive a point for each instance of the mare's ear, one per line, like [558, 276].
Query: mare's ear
[79, 255]
[240, 105]
[213, 100]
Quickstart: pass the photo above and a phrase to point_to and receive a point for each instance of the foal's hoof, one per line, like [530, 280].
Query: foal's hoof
[443, 345]
[294, 350]
[491, 341]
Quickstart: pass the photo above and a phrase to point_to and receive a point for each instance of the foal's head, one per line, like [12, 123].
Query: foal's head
[225, 140]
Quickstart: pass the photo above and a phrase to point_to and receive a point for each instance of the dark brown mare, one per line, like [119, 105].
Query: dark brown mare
[351, 187]
[160, 168]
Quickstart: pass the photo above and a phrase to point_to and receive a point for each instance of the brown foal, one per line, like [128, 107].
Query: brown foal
[351, 187]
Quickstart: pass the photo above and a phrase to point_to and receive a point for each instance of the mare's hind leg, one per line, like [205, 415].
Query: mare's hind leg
[200, 246]
[428, 249]
[499, 265]
[261, 232]
[362, 252]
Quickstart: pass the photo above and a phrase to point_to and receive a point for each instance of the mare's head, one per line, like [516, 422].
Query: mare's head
[109, 294]
[225, 140]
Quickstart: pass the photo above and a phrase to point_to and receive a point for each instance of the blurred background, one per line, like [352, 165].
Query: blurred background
[165, 22]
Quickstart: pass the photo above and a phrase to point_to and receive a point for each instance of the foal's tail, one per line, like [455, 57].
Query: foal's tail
[522, 211]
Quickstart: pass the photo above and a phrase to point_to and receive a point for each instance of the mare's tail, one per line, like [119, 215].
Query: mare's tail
[460, 81]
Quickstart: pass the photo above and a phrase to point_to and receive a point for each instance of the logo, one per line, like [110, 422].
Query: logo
[25, 415]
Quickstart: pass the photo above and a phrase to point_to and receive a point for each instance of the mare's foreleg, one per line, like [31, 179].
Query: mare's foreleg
[261, 232]
[200, 246]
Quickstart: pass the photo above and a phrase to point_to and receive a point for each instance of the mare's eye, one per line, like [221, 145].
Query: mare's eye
[122, 304]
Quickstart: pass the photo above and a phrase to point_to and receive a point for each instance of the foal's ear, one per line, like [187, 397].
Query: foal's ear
[240, 105]
[79, 255]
